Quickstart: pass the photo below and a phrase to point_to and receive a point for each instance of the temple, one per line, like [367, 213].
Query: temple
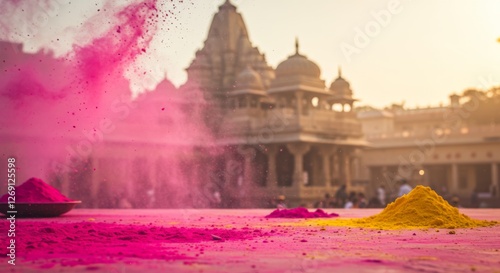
[293, 135]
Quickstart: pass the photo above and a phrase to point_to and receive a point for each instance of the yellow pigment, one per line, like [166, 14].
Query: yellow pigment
[421, 208]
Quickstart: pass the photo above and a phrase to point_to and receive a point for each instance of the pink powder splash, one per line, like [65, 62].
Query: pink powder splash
[52, 101]
[63, 112]
[35, 190]
[84, 243]
[300, 213]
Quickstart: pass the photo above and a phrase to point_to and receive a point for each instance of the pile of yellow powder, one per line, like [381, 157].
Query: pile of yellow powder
[421, 208]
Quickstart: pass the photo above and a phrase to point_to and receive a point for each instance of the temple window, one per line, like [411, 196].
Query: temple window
[315, 101]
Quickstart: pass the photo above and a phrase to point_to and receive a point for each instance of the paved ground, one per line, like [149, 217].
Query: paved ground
[280, 245]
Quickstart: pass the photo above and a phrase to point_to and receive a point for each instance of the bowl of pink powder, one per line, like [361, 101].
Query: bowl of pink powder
[35, 198]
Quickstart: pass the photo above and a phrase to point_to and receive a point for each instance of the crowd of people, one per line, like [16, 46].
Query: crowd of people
[343, 199]
[380, 198]
[353, 199]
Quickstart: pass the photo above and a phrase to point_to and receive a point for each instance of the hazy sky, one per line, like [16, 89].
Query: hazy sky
[426, 50]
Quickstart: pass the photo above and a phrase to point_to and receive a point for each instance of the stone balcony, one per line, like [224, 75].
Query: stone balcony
[465, 134]
[328, 124]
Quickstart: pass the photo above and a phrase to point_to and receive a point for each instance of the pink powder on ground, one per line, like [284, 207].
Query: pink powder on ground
[300, 213]
[35, 190]
[83, 243]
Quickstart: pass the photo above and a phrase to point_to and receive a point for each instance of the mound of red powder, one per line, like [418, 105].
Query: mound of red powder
[34, 190]
[83, 243]
[300, 213]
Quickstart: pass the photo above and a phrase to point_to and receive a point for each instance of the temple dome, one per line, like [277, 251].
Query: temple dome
[340, 87]
[298, 65]
[249, 79]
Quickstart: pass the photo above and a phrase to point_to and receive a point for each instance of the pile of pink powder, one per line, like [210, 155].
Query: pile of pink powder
[300, 213]
[35, 190]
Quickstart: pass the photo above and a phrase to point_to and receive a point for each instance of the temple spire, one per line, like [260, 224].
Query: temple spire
[296, 45]
[228, 4]
[340, 71]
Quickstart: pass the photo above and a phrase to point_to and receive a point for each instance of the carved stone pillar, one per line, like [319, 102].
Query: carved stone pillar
[326, 153]
[298, 97]
[326, 169]
[231, 174]
[495, 187]
[335, 168]
[356, 164]
[298, 150]
[346, 168]
[248, 182]
[454, 179]
[272, 181]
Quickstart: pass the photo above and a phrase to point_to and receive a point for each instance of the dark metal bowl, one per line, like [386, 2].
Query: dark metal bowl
[33, 210]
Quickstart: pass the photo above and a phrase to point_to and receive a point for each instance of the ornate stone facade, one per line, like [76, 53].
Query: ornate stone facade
[281, 132]
[455, 149]
[292, 135]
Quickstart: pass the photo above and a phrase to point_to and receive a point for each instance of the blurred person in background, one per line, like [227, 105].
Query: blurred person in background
[123, 202]
[341, 196]
[405, 188]
[362, 203]
[327, 202]
[351, 203]
[381, 195]
[217, 199]
[455, 201]
[374, 203]
[281, 202]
